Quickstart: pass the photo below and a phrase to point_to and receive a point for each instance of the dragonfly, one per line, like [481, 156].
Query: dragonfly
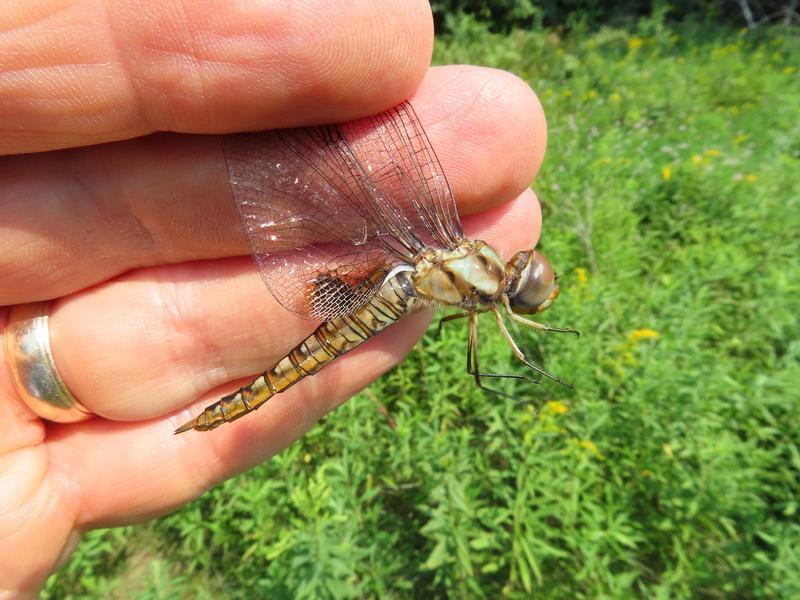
[355, 226]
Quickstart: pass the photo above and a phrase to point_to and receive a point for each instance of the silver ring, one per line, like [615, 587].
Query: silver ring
[33, 368]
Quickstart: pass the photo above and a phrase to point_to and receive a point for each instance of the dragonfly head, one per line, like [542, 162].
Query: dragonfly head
[532, 283]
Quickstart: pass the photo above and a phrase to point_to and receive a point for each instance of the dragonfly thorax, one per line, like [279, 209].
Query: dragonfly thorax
[470, 275]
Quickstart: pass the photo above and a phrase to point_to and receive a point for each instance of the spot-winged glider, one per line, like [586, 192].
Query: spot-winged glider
[355, 225]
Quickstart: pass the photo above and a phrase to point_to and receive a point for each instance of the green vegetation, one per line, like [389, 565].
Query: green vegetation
[672, 202]
[504, 15]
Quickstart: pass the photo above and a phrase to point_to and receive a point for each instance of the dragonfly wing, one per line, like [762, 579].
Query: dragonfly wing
[398, 156]
[302, 210]
[328, 210]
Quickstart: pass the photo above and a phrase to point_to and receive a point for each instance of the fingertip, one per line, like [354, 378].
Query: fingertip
[488, 118]
[509, 228]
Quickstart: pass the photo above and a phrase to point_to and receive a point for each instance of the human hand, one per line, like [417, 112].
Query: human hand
[157, 309]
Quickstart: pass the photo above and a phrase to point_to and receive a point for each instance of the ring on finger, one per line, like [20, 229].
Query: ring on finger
[33, 368]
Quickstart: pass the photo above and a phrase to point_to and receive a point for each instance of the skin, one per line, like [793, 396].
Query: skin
[157, 308]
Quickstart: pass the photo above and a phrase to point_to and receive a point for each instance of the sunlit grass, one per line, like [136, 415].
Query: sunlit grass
[671, 193]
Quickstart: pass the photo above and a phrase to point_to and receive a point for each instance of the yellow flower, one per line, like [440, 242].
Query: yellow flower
[306, 458]
[697, 159]
[591, 94]
[667, 448]
[591, 447]
[556, 407]
[635, 43]
[615, 97]
[712, 152]
[644, 334]
[666, 173]
[789, 70]
[750, 178]
[583, 278]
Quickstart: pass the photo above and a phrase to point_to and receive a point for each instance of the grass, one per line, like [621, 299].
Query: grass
[672, 200]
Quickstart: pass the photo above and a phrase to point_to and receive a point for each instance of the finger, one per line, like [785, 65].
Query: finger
[488, 129]
[117, 69]
[128, 472]
[74, 218]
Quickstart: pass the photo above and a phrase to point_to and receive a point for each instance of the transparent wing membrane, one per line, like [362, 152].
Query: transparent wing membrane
[328, 210]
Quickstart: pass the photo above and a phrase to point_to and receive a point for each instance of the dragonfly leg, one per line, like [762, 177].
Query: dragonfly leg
[521, 355]
[473, 368]
[443, 320]
[536, 324]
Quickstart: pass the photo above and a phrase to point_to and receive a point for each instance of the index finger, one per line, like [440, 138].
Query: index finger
[85, 75]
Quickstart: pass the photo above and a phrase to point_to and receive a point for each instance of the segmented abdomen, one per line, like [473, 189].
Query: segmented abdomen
[330, 340]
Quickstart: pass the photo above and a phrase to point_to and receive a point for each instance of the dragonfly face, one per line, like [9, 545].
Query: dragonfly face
[355, 226]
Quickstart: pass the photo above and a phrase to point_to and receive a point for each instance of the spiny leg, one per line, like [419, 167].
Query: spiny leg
[473, 368]
[521, 355]
[443, 320]
[536, 324]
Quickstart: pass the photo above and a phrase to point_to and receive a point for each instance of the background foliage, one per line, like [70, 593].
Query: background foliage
[671, 193]
[503, 15]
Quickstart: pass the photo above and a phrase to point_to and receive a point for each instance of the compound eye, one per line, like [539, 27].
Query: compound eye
[538, 286]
